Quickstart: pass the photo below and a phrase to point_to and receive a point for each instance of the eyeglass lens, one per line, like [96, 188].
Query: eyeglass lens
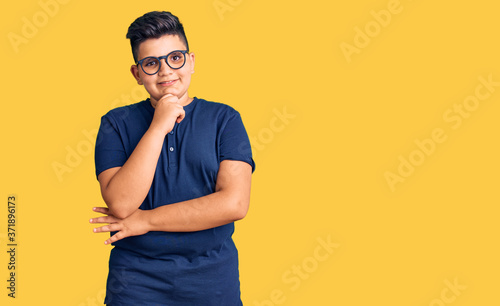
[175, 60]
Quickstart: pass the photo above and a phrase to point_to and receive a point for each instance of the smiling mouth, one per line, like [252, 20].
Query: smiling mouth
[167, 83]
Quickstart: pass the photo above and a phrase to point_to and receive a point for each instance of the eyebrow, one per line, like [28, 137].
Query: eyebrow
[142, 57]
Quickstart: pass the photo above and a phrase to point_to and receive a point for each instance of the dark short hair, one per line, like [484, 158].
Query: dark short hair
[154, 25]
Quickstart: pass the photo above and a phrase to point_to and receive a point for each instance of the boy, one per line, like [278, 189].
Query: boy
[175, 173]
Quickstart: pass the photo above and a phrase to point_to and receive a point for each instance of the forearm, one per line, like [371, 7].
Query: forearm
[129, 186]
[227, 204]
[198, 214]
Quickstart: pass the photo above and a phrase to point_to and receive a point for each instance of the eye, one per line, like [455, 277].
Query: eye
[150, 62]
[176, 57]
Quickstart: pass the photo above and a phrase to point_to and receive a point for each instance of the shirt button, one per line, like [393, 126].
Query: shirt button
[171, 132]
[171, 149]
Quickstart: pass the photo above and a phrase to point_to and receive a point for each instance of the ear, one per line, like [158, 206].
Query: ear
[135, 72]
[191, 57]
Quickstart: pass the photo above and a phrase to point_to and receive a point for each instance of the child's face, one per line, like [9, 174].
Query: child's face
[167, 80]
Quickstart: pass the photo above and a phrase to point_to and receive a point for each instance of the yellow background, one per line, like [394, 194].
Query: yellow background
[319, 176]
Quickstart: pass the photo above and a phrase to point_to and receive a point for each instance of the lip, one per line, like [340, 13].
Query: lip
[168, 82]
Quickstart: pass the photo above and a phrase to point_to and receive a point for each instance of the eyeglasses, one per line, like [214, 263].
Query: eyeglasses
[152, 64]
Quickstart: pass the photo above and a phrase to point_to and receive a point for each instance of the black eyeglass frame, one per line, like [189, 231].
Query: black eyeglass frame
[165, 57]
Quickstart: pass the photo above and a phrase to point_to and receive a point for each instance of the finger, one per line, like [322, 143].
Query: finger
[118, 236]
[108, 228]
[102, 210]
[181, 116]
[169, 98]
[107, 219]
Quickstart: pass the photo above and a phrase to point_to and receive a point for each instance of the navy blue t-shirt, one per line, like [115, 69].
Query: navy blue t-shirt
[175, 268]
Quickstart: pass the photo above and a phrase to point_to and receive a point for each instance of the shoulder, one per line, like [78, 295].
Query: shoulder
[125, 113]
[118, 111]
[218, 109]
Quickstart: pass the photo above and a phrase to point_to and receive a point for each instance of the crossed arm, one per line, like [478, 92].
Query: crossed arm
[227, 204]
[125, 188]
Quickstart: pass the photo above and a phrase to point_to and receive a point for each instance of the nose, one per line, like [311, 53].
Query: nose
[165, 68]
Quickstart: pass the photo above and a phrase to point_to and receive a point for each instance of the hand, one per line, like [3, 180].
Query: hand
[134, 225]
[168, 111]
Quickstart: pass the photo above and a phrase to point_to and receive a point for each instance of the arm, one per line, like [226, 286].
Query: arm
[125, 188]
[228, 203]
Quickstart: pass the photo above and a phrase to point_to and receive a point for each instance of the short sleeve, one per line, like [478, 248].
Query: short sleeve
[234, 142]
[109, 148]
